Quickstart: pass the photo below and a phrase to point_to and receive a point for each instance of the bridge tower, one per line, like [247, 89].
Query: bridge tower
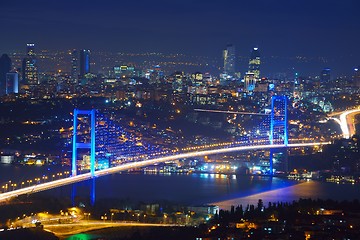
[278, 125]
[83, 145]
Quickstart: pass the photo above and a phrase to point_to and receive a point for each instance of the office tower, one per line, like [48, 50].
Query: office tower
[29, 66]
[5, 67]
[254, 63]
[298, 88]
[117, 71]
[356, 77]
[30, 49]
[84, 63]
[229, 60]
[325, 77]
[74, 65]
[12, 83]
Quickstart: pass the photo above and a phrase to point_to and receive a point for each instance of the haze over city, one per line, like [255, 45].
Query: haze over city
[310, 35]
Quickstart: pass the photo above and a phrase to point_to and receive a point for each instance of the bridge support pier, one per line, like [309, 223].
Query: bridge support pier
[284, 165]
[76, 145]
[278, 128]
[271, 161]
[92, 192]
[92, 189]
[73, 194]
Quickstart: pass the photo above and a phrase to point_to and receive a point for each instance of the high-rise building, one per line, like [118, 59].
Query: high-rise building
[298, 88]
[249, 82]
[29, 66]
[229, 60]
[356, 77]
[117, 71]
[84, 63]
[254, 63]
[5, 67]
[30, 49]
[12, 83]
[325, 77]
[74, 65]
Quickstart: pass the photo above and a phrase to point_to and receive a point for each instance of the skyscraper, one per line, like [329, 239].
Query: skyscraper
[229, 60]
[325, 76]
[12, 82]
[29, 66]
[254, 63]
[356, 77]
[84, 63]
[30, 49]
[5, 67]
[74, 65]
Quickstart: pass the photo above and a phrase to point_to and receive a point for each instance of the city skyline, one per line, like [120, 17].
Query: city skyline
[284, 29]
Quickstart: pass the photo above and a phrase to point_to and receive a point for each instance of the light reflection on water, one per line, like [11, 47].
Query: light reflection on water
[308, 189]
[192, 189]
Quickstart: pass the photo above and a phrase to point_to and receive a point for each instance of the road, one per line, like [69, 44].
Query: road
[127, 166]
[65, 229]
[347, 122]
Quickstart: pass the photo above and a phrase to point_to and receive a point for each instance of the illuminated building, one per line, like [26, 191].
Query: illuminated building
[178, 81]
[12, 83]
[356, 77]
[117, 71]
[29, 66]
[197, 79]
[249, 82]
[74, 65]
[229, 60]
[84, 63]
[254, 63]
[5, 67]
[325, 77]
[298, 88]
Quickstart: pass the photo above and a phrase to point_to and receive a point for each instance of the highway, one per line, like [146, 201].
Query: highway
[65, 229]
[347, 122]
[127, 166]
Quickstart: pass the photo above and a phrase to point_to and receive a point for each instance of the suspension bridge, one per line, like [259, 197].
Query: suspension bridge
[104, 139]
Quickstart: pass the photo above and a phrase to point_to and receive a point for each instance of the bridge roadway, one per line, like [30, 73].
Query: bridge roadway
[127, 166]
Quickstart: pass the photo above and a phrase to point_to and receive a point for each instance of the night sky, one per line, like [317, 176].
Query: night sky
[284, 28]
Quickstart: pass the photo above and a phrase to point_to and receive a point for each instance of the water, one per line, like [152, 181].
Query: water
[191, 189]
